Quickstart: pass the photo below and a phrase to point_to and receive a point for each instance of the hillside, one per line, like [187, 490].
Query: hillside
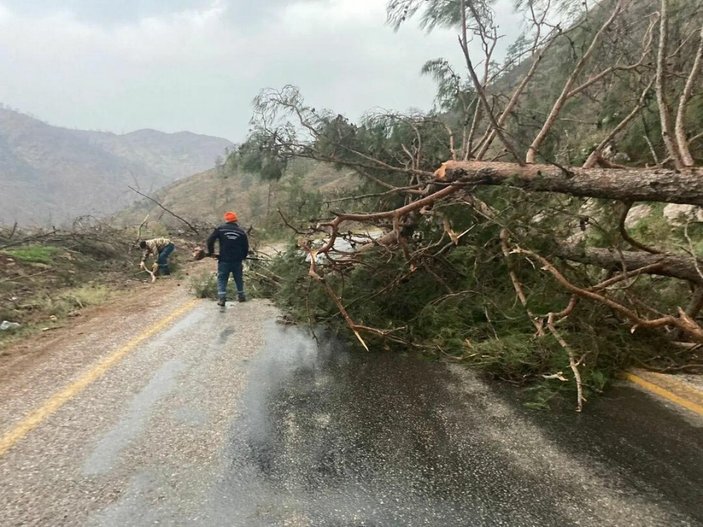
[50, 175]
[180, 154]
[202, 198]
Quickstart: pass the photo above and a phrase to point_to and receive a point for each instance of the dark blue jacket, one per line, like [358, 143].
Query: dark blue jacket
[234, 244]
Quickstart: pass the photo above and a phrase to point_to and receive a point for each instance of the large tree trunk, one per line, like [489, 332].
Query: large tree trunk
[657, 264]
[636, 184]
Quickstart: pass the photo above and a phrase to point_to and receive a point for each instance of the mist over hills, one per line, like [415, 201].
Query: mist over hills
[51, 175]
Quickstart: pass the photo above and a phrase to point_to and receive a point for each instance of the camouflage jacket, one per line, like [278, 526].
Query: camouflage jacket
[154, 247]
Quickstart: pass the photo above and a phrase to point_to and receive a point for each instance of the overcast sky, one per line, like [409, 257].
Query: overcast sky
[122, 65]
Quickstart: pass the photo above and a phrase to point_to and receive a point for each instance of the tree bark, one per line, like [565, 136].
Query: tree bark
[658, 264]
[637, 184]
[682, 322]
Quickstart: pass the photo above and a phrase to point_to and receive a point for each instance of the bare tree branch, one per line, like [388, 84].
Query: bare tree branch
[464, 43]
[563, 97]
[683, 322]
[190, 226]
[641, 103]
[686, 157]
[667, 126]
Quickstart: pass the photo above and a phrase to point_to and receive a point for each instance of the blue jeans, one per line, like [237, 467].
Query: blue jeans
[223, 271]
[162, 260]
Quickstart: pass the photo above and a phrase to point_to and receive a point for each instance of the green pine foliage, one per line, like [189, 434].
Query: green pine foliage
[460, 305]
[456, 301]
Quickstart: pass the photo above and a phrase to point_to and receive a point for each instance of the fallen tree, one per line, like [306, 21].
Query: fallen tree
[427, 181]
[626, 184]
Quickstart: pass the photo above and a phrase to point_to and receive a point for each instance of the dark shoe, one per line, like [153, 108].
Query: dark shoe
[221, 302]
[241, 298]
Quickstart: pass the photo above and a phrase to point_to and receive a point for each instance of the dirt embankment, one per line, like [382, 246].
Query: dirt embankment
[48, 283]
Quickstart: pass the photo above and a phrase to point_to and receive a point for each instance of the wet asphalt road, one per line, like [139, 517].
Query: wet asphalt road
[235, 420]
[331, 438]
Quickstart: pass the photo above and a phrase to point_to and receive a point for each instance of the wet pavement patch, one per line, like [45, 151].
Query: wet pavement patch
[328, 437]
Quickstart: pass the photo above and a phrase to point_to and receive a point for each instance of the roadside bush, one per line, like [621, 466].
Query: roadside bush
[204, 284]
[85, 296]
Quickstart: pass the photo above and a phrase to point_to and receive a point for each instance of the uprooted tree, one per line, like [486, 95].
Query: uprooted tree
[505, 214]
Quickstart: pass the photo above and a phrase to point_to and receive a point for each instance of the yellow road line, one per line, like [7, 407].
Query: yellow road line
[662, 392]
[60, 398]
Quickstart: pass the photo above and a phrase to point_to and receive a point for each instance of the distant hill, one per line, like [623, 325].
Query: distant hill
[204, 197]
[50, 175]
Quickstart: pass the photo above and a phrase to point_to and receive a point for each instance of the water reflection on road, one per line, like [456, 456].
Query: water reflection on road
[327, 438]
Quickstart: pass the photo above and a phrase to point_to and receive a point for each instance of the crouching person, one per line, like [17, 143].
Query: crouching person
[160, 249]
[234, 247]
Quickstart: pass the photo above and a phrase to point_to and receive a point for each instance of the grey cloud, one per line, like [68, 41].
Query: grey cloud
[246, 14]
[252, 15]
[106, 12]
[201, 72]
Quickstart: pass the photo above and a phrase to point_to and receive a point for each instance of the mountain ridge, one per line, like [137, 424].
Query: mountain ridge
[50, 174]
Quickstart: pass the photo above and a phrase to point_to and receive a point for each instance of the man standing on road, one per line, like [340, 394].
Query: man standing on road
[234, 247]
[160, 249]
